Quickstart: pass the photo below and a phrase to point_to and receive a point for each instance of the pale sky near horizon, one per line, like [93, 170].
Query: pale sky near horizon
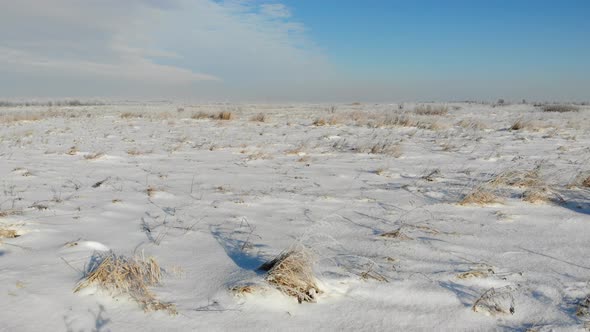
[295, 50]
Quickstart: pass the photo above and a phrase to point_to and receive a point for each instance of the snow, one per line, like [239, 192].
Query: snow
[212, 200]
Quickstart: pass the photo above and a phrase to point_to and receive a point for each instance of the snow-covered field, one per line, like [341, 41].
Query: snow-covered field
[410, 217]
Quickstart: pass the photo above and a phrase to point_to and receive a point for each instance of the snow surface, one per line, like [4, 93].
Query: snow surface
[225, 196]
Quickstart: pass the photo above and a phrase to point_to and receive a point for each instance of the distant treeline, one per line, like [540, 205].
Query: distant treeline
[72, 102]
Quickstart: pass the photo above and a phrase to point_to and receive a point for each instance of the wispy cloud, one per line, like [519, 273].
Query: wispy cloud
[246, 50]
[277, 10]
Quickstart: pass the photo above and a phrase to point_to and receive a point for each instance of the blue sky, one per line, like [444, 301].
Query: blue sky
[437, 39]
[296, 50]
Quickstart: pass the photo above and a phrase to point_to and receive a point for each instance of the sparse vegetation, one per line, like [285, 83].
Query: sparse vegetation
[291, 273]
[8, 233]
[121, 275]
[560, 108]
[480, 196]
[260, 117]
[432, 110]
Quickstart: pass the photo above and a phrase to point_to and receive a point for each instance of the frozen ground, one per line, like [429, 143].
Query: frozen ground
[213, 199]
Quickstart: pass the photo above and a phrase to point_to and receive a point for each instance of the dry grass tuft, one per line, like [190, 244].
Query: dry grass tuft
[201, 115]
[331, 121]
[542, 195]
[260, 117]
[225, 115]
[560, 108]
[521, 179]
[8, 213]
[478, 273]
[320, 122]
[479, 196]
[519, 125]
[431, 110]
[582, 180]
[72, 151]
[151, 191]
[495, 302]
[129, 115]
[120, 275]
[583, 309]
[387, 148]
[472, 124]
[291, 273]
[397, 120]
[7, 233]
[530, 125]
[298, 150]
[242, 290]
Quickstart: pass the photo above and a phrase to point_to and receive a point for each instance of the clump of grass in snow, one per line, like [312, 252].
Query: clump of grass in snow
[495, 302]
[479, 196]
[129, 115]
[121, 275]
[225, 115]
[241, 290]
[387, 148]
[560, 108]
[201, 115]
[298, 150]
[332, 121]
[531, 125]
[518, 125]
[542, 195]
[398, 120]
[291, 273]
[8, 233]
[516, 178]
[581, 180]
[472, 124]
[7, 213]
[431, 110]
[260, 117]
[481, 272]
[583, 309]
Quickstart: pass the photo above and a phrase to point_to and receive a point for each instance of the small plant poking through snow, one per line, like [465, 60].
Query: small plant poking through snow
[495, 302]
[521, 179]
[291, 273]
[480, 196]
[224, 115]
[542, 195]
[431, 110]
[7, 233]
[121, 275]
[260, 117]
[583, 309]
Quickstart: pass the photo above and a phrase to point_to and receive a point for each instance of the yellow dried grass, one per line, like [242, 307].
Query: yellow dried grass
[291, 273]
[120, 275]
[479, 196]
